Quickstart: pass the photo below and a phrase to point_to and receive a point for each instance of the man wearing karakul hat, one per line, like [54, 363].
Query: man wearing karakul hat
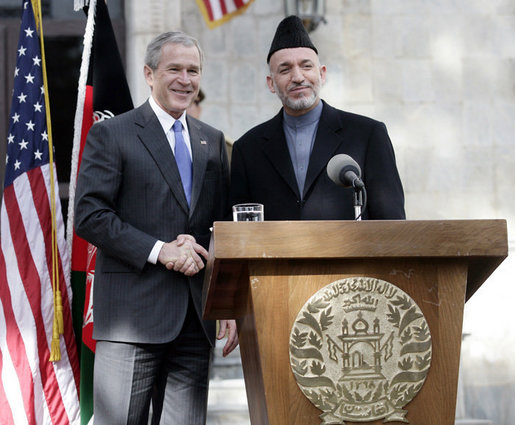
[281, 163]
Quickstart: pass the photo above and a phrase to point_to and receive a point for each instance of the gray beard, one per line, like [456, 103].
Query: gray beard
[299, 104]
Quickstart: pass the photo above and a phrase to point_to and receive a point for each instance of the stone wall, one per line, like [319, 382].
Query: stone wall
[440, 74]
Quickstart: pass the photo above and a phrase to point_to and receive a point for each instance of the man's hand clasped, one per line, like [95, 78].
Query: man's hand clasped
[183, 255]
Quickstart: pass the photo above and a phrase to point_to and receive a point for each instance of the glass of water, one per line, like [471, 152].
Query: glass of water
[248, 212]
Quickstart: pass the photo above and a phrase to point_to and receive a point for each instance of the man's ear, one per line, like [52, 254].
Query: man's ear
[149, 75]
[323, 72]
[270, 83]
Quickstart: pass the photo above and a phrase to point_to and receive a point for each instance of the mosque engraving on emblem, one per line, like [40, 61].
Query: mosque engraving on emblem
[360, 350]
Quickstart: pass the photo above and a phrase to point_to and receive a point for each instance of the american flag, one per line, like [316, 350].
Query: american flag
[33, 390]
[217, 12]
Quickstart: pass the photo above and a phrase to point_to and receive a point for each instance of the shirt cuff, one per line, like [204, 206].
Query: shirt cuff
[154, 254]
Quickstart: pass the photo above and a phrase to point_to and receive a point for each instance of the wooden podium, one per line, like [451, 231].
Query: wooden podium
[262, 273]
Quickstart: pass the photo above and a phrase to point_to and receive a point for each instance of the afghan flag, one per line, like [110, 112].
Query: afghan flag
[103, 93]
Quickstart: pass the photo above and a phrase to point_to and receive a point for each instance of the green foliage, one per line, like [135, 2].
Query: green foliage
[422, 332]
[298, 339]
[315, 398]
[403, 302]
[322, 399]
[411, 315]
[300, 368]
[394, 316]
[345, 393]
[317, 368]
[423, 363]
[333, 397]
[396, 395]
[317, 305]
[309, 320]
[408, 395]
[326, 397]
[406, 336]
[315, 340]
[406, 363]
[326, 319]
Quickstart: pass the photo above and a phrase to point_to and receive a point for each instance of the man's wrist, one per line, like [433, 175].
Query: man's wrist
[154, 254]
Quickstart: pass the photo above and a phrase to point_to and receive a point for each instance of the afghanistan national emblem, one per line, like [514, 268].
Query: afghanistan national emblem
[360, 350]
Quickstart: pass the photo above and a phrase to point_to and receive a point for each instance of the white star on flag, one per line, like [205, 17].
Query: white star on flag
[30, 125]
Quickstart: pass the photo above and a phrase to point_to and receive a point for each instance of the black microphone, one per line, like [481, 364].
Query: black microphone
[344, 171]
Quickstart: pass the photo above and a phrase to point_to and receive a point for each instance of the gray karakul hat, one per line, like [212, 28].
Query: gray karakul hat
[290, 33]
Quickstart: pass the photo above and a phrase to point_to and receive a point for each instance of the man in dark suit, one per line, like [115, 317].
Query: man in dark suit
[282, 163]
[151, 183]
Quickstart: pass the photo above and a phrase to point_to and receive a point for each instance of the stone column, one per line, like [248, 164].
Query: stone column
[144, 20]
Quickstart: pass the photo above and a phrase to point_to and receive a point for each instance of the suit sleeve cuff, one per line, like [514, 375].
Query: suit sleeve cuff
[154, 254]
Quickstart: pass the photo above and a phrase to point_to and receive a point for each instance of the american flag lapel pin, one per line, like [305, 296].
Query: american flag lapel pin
[203, 142]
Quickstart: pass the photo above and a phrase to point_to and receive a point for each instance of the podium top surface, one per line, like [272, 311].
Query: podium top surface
[359, 239]
[483, 244]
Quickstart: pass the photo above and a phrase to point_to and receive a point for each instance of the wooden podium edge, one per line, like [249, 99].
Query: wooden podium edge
[481, 243]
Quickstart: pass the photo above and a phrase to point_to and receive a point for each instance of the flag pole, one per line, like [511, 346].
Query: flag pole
[79, 112]
[58, 326]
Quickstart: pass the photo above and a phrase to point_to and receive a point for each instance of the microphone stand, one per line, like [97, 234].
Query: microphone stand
[359, 194]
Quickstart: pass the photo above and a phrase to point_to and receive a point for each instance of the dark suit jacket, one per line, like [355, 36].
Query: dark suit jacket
[262, 171]
[128, 196]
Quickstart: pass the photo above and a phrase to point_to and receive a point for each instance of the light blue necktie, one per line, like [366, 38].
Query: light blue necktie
[183, 159]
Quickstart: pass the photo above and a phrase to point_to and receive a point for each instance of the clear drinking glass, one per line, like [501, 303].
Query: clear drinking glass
[248, 212]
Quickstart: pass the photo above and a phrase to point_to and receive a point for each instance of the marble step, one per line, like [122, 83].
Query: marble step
[227, 402]
[227, 399]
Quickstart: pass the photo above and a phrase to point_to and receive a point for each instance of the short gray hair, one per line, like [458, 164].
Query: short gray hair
[153, 54]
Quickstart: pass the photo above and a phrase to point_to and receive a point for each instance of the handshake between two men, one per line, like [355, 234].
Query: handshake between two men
[182, 255]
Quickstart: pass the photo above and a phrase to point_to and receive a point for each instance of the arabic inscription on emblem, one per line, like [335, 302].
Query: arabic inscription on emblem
[360, 350]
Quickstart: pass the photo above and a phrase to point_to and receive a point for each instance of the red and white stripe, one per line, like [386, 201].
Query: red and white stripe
[33, 390]
[217, 9]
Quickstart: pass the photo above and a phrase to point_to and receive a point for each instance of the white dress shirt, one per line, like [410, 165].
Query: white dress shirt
[167, 121]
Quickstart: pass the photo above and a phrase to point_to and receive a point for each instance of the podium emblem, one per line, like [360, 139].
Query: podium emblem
[360, 350]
